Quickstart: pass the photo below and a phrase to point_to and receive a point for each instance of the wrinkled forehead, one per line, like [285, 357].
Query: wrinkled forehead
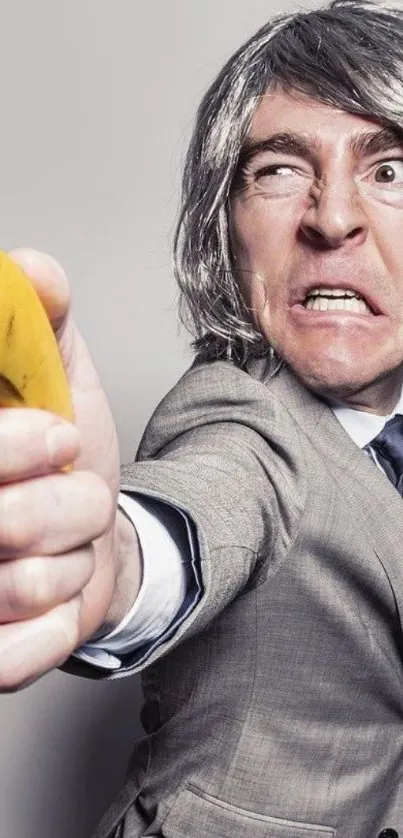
[291, 121]
[279, 109]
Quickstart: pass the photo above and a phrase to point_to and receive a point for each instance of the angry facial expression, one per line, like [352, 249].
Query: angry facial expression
[316, 229]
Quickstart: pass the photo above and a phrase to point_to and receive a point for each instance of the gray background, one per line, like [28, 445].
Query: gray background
[97, 98]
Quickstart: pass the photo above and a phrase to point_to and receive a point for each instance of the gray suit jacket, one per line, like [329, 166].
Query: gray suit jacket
[276, 709]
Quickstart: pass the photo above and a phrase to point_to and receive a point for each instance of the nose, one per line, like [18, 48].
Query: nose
[335, 216]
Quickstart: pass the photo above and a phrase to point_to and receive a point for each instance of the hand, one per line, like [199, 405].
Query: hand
[59, 533]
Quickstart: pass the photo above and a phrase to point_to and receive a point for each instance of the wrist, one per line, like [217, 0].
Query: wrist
[128, 573]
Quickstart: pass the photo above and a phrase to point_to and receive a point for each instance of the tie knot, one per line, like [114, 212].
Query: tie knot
[388, 444]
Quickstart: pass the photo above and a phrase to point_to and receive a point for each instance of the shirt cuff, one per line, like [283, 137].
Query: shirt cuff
[165, 540]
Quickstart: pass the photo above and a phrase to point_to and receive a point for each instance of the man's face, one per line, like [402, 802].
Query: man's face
[316, 227]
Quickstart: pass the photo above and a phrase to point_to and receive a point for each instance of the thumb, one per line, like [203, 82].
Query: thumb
[52, 287]
[49, 281]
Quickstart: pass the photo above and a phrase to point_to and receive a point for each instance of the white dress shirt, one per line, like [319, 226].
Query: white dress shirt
[170, 584]
[168, 552]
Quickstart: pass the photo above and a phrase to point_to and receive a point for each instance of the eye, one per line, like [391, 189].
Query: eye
[277, 180]
[390, 171]
[271, 171]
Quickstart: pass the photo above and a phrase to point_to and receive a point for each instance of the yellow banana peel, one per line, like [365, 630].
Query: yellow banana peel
[31, 369]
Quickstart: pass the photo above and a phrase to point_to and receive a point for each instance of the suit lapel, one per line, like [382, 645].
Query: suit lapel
[371, 497]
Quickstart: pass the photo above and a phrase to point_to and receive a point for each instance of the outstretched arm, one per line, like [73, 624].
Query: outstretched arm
[69, 561]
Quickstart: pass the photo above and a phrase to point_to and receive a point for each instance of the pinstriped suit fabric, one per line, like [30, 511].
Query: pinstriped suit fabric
[276, 709]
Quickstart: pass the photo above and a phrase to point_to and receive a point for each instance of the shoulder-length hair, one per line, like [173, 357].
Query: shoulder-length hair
[349, 54]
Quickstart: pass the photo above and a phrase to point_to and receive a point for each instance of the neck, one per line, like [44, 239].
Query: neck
[380, 397]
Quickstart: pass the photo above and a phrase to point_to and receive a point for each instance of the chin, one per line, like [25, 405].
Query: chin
[375, 390]
[333, 374]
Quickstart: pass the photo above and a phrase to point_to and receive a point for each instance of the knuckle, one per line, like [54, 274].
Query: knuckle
[19, 522]
[11, 598]
[27, 589]
[102, 500]
[81, 563]
[22, 441]
[34, 584]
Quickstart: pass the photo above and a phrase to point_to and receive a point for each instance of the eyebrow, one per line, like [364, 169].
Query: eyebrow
[362, 144]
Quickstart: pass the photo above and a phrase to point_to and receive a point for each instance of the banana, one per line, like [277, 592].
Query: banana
[31, 369]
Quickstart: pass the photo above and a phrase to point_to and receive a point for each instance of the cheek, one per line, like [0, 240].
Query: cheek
[386, 242]
[261, 256]
[390, 247]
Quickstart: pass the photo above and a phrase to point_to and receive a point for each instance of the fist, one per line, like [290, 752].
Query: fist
[58, 555]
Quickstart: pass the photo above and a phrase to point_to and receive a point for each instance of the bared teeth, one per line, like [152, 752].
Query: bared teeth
[336, 299]
[334, 303]
[333, 292]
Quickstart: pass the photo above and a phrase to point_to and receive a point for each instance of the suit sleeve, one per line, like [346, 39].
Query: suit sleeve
[203, 454]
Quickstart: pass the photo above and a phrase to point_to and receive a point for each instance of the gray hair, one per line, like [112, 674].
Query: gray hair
[349, 54]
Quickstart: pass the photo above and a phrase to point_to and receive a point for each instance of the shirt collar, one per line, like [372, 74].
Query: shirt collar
[362, 426]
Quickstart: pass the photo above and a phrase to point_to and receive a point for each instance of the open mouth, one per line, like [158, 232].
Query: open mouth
[336, 299]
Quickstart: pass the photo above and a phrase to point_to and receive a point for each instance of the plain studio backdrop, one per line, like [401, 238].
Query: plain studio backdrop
[97, 101]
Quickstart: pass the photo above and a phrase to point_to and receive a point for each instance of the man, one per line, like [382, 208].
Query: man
[274, 689]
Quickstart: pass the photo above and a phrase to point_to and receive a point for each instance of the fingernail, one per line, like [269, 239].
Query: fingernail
[63, 444]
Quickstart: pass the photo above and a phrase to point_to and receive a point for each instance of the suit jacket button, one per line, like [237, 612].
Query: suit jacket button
[388, 833]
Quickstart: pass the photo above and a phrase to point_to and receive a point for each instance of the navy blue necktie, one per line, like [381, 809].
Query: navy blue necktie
[388, 446]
